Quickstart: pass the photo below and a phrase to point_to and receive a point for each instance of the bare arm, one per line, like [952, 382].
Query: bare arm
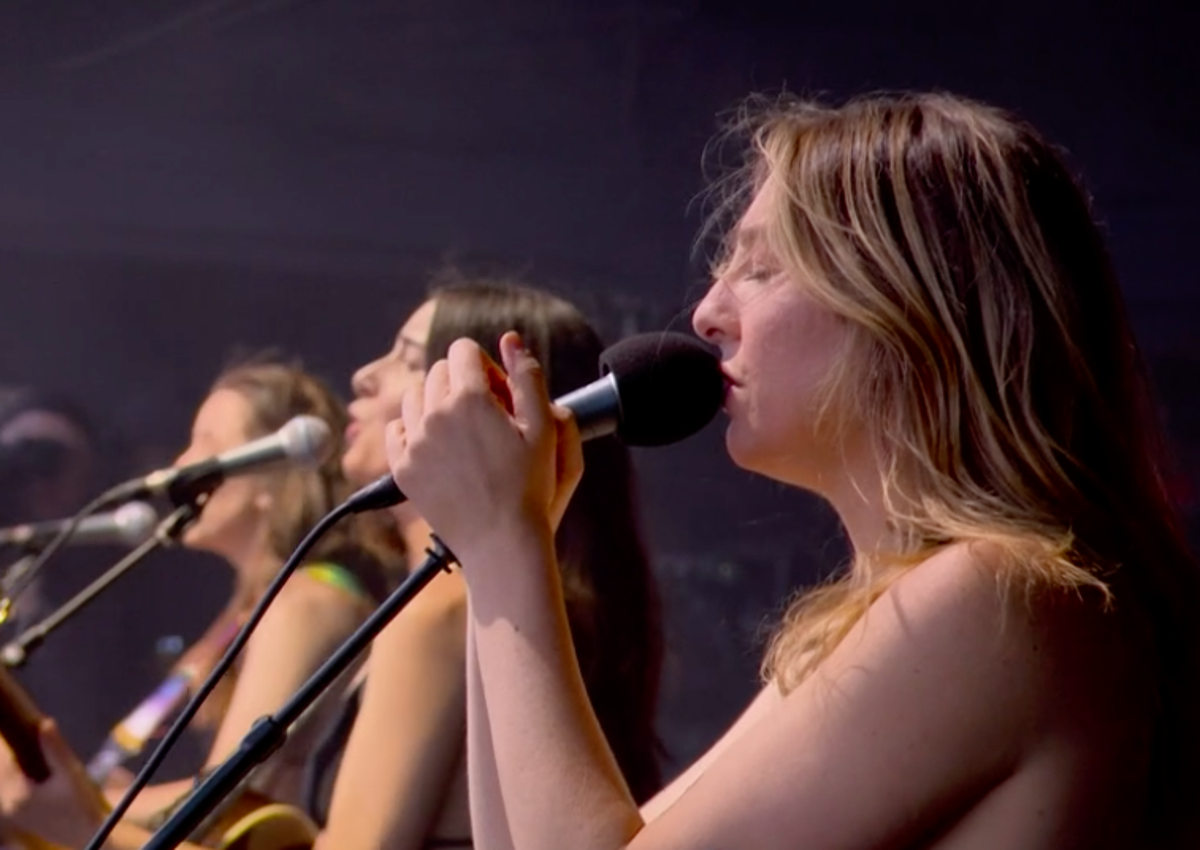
[488, 820]
[407, 740]
[920, 709]
[523, 642]
[486, 802]
[306, 623]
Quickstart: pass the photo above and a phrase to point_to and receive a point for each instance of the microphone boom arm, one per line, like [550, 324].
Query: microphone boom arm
[16, 652]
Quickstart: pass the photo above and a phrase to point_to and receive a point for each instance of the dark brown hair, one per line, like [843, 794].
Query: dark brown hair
[611, 594]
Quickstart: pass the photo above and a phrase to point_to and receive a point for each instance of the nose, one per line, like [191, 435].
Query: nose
[362, 383]
[711, 319]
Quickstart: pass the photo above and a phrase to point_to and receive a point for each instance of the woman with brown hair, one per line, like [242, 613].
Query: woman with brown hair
[402, 780]
[254, 522]
[392, 770]
[919, 321]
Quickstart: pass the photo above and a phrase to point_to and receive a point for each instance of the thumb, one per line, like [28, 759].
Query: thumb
[568, 463]
[570, 447]
[527, 383]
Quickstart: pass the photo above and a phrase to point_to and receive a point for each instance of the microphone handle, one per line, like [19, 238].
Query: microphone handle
[596, 407]
[197, 481]
[270, 732]
[597, 411]
[181, 486]
[16, 652]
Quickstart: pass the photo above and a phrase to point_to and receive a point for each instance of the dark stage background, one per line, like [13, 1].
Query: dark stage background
[181, 180]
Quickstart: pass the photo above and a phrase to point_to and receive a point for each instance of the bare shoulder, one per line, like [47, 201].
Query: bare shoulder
[309, 609]
[950, 620]
[444, 598]
[981, 595]
[435, 619]
[962, 582]
[308, 594]
[970, 609]
[978, 586]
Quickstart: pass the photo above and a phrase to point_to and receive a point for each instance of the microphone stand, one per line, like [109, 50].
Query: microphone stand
[16, 652]
[270, 732]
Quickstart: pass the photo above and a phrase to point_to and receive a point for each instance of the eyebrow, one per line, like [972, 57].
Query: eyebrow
[409, 342]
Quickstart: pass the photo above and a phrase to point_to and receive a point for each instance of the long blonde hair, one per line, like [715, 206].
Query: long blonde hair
[989, 351]
[990, 354]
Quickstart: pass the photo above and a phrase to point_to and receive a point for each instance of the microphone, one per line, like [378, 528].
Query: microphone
[654, 389]
[129, 525]
[303, 440]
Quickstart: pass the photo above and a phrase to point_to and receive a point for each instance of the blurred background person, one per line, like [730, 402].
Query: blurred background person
[253, 521]
[53, 459]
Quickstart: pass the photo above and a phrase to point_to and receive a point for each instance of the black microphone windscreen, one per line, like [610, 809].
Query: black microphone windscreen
[670, 385]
